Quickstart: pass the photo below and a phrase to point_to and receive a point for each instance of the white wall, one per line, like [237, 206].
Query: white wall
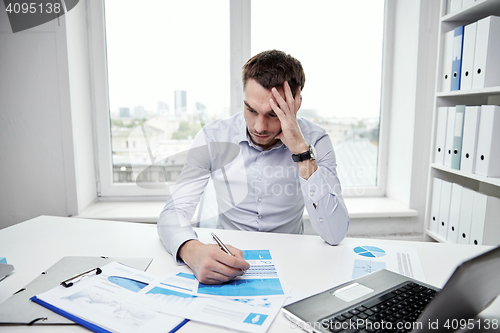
[81, 104]
[411, 102]
[44, 117]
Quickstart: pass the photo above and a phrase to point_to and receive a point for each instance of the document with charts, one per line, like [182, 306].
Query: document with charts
[122, 299]
[248, 303]
[361, 258]
[109, 301]
[261, 280]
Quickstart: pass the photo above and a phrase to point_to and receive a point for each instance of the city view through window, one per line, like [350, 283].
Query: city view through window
[168, 76]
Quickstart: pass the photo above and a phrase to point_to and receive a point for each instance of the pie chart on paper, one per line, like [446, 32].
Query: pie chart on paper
[369, 251]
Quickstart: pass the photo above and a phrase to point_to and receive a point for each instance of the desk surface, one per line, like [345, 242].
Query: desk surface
[37, 244]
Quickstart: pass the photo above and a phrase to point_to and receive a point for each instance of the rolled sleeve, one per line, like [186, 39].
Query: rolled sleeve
[323, 199]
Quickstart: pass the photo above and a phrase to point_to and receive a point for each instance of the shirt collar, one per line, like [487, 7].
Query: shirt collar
[242, 129]
[244, 136]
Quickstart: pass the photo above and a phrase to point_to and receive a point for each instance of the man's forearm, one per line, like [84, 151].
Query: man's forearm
[307, 168]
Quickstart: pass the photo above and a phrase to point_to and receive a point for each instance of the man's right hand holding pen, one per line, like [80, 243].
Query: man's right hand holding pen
[212, 265]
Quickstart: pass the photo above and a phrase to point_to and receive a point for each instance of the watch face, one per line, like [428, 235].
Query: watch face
[310, 154]
[312, 151]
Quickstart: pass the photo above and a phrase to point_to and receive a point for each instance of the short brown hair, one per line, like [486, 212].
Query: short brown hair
[272, 68]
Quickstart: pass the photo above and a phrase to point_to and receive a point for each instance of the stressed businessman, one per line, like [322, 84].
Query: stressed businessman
[266, 165]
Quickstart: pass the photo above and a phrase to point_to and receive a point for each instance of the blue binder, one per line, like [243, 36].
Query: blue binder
[456, 65]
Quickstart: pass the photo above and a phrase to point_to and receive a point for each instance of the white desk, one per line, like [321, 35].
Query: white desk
[37, 244]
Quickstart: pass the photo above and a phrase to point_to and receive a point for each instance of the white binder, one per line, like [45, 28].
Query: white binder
[469, 144]
[442, 116]
[444, 209]
[448, 146]
[488, 142]
[436, 198]
[454, 218]
[465, 216]
[485, 229]
[447, 61]
[458, 132]
[466, 3]
[469, 46]
[454, 5]
[487, 53]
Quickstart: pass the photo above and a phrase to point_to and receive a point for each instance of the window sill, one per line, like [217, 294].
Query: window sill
[377, 207]
[148, 211]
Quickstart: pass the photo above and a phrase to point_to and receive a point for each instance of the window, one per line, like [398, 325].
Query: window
[168, 74]
[339, 44]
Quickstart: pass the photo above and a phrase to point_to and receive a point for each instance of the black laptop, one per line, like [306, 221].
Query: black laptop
[384, 301]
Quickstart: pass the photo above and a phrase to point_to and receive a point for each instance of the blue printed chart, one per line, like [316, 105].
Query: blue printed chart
[363, 267]
[369, 251]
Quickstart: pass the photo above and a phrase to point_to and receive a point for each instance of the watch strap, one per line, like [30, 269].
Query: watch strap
[302, 156]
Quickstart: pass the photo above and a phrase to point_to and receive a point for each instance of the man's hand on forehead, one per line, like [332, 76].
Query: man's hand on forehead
[286, 109]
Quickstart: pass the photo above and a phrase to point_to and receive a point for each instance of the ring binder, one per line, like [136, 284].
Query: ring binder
[69, 282]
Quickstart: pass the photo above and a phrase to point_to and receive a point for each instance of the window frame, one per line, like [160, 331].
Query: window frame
[240, 31]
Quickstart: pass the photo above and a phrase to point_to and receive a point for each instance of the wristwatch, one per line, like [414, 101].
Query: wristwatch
[309, 154]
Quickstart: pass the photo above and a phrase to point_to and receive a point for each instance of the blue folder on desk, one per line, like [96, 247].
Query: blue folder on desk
[85, 323]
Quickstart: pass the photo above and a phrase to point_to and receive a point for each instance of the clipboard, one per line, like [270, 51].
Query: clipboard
[92, 320]
[19, 309]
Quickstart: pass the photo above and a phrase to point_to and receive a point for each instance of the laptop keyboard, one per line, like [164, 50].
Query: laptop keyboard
[395, 311]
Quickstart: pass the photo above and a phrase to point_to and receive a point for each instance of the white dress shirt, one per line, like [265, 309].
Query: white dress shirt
[257, 189]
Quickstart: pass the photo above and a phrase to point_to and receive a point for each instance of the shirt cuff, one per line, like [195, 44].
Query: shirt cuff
[178, 240]
[316, 187]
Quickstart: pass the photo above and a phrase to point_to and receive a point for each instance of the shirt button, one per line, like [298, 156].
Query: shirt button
[311, 193]
[321, 220]
[259, 177]
[259, 199]
[260, 216]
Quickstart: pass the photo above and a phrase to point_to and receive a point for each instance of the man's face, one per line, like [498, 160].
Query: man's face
[262, 123]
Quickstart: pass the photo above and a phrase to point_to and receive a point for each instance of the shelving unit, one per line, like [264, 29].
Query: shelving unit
[486, 96]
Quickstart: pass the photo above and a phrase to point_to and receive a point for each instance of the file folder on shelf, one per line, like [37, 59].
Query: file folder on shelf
[436, 197]
[457, 137]
[465, 216]
[454, 218]
[442, 116]
[469, 46]
[456, 64]
[485, 229]
[448, 146]
[446, 61]
[453, 6]
[469, 142]
[466, 3]
[444, 209]
[488, 142]
[487, 52]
